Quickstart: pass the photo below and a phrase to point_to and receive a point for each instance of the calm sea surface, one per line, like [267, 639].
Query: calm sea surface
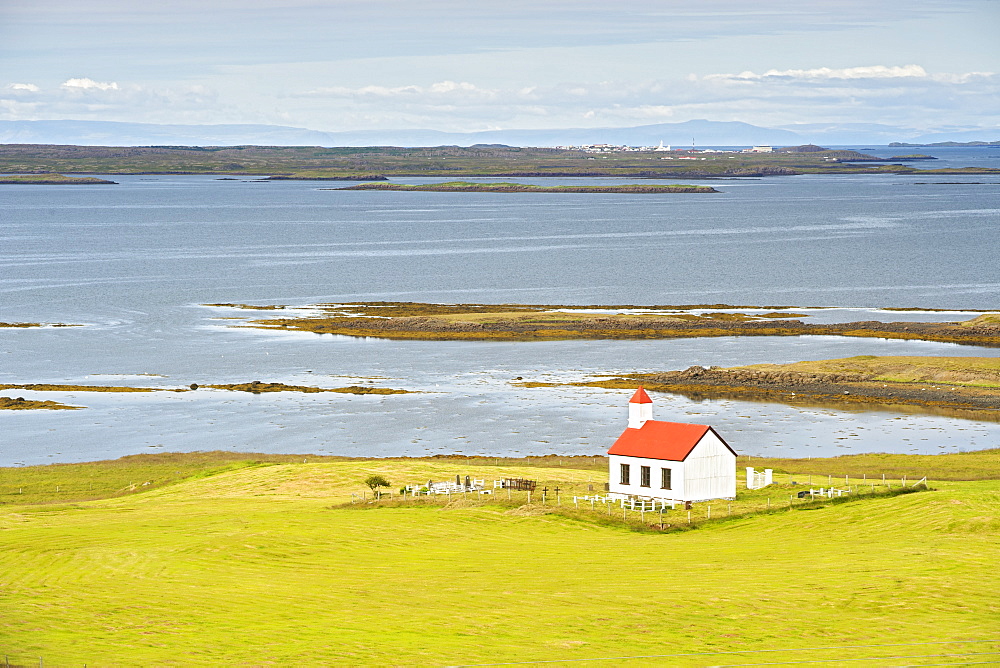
[134, 262]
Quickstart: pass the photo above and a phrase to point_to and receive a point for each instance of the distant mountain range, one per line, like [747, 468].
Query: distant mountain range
[699, 133]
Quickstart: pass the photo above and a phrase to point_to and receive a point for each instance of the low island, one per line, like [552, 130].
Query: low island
[253, 387]
[257, 387]
[26, 325]
[505, 187]
[321, 176]
[53, 180]
[537, 322]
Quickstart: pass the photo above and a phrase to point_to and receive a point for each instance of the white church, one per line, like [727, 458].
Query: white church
[669, 460]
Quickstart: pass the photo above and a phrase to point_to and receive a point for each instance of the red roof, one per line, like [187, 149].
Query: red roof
[672, 441]
[640, 397]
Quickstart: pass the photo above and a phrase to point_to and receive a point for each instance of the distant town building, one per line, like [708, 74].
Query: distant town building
[661, 148]
[669, 460]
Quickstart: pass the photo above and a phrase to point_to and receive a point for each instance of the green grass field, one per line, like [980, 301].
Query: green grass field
[223, 561]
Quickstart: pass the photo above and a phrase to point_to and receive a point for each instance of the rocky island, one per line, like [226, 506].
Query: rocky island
[22, 404]
[967, 386]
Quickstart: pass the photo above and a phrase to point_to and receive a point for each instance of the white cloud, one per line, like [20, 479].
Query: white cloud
[900, 95]
[870, 72]
[438, 89]
[15, 110]
[378, 91]
[819, 74]
[963, 78]
[94, 100]
[89, 84]
[893, 94]
[451, 86]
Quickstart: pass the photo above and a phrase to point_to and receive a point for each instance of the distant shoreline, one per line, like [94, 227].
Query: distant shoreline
[949, 144]
[373, 163]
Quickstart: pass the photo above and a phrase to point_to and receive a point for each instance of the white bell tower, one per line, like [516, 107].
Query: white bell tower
[640, 409]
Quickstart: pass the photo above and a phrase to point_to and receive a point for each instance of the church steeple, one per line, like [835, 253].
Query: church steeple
[640, 409]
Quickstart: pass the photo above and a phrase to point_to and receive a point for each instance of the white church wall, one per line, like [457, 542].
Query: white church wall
[634, 488]
[710, 470]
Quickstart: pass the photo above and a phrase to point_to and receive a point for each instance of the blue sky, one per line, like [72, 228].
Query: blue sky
[462, 66]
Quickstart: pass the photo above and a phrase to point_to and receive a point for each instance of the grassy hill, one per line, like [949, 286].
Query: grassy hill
[233, 561]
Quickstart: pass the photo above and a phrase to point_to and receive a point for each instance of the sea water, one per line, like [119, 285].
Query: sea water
[134, 262]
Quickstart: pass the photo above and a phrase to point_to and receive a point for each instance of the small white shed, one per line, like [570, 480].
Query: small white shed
[669, 460]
